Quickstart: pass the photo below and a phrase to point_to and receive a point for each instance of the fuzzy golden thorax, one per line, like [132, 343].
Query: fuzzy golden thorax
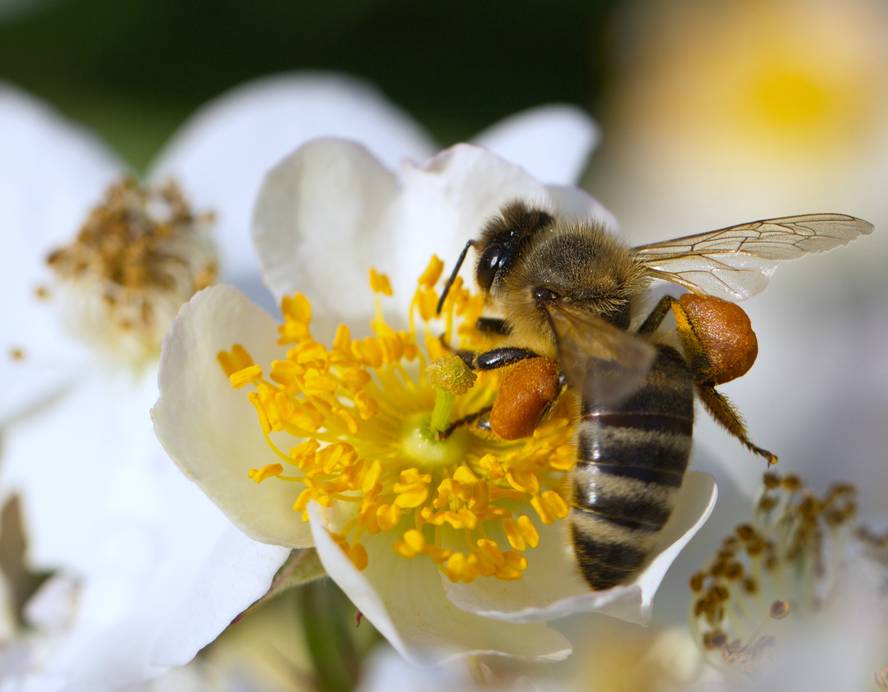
[585, 265]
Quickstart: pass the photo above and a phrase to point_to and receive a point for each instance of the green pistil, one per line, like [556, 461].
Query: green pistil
[450, 376]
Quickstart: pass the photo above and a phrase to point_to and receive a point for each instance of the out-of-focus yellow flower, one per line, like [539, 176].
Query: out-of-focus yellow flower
[733, 107]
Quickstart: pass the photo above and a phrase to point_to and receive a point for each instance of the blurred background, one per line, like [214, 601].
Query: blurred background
[712, 113]
[135, 71]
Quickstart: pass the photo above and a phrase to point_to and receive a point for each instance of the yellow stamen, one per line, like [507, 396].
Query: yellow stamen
[432, 273]
[267, 471]
[361, 411]
[379, 283]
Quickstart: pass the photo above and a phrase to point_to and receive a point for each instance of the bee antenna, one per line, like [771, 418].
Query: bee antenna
[452, 277]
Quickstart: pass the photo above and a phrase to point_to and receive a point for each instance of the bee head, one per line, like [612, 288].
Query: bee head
[504, 240]
[575, 267]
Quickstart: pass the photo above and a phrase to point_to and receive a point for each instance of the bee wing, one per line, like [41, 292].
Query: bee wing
[602, 363]
[736, 262]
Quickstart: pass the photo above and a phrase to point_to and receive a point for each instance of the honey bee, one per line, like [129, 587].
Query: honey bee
[569, 292]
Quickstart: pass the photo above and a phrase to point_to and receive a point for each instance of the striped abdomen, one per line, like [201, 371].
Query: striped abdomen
[632, 456]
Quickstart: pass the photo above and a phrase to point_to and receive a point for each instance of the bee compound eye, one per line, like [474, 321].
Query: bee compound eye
[489, 264]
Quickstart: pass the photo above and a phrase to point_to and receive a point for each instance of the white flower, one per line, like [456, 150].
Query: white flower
[100, 499]
[795, 596]
[610, 656]
[324, 215]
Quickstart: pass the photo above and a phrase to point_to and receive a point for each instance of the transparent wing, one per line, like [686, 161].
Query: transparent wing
[602, 363]
[736, 262]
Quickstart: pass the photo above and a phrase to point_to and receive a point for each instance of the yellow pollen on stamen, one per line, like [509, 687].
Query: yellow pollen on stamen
[360, 416]
[379, 283]
[138, 256]
[267, 471]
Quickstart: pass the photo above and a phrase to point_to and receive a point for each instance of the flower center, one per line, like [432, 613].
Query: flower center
[382, 429]
[782, 566]
[138, 257]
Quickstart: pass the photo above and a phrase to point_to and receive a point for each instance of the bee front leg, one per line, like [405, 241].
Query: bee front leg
[497, 358]
[493, 325]
[487, 325]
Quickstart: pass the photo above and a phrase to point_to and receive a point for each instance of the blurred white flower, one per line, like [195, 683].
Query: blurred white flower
[493, 557]
[611, 656]
[100, 499]
[796, 597]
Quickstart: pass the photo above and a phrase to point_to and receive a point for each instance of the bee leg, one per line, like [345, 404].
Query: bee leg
[653, 320]
[468, 357]
[465, 420]
[493, 325]
[488, 325]
[721, 408]
[727, 415]
[501, 357]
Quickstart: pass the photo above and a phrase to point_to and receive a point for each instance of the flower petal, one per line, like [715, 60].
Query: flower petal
[222, 152]
[579, 204]
[62, 459]
[209, 428]
[552, 586]
[51, 173]
[405, 602]
[445, 202]
[318, 220]
[552, 143]
[330, 211]
[166, 590]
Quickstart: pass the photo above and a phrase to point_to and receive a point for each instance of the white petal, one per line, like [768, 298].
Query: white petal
[51, 173]
[162, 570]
[330, 211]
[405, 602]
[210, 429]
[61, 460]
[222, 152]
[572, 202]
[552, 586]
[384, 670]
[447, 201]
[169, 585]
[318, 223]
[552, 143]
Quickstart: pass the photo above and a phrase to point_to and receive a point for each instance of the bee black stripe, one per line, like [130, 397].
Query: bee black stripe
[615, 508]
[623, 522]
[618, 556]
[625, 449]
[642, 420]
[601, 577]
[645, 474]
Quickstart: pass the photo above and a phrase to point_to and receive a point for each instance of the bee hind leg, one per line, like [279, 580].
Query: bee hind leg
[727, 415]
[721, 408]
